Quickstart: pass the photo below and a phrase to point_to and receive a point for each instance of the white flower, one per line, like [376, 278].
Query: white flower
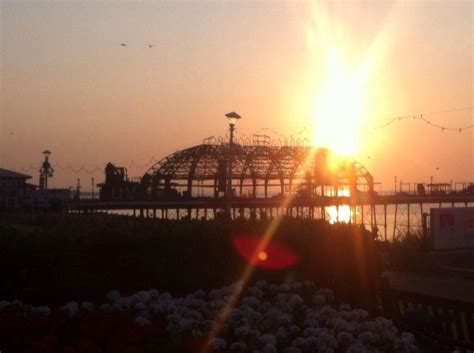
[327, 342]
[298, 342]
[358, 314]
[154, 294]
[408, 338]
[261, 284]
[255, 291]
[4, 304]
[113, 296]
[295, 300]
[269, 348]
[367, 337]
[296, 285]
[408, 341]
[186, 324]
[282, 333]
[267, 339]
[276, 310]
[311, 322]
[17, 303]
[242, 331]
[238, 346]
[357, 348]
[217, 303]
[319, 299]
[106, 308]
[310, 342]
[344, 307]
[140, 306]
[141, 296]
[314, 331]
[200, 294]
[273, 287]
[328, 294]
[87, 306]
[338, 324]
[218, 344]
[71, 308]
[294, 329]
[43, 310]
[326, 312]
[250, 301]
[285, 319]
[142, 321]
[345, 338]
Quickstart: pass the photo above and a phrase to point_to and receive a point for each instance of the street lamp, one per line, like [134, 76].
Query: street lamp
[232, 118]
[46, 171]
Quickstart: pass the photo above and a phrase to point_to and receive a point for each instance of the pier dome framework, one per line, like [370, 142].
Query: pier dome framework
[258, 171]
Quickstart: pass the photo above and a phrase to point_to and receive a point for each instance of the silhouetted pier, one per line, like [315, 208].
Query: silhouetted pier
[405, 211]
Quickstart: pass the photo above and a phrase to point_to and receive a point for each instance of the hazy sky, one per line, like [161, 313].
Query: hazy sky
[69, 86]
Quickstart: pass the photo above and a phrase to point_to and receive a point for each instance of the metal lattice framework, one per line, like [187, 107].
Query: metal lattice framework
[257, 171]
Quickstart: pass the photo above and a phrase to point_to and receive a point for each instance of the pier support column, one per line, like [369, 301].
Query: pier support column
[395, 222]
[408, 218]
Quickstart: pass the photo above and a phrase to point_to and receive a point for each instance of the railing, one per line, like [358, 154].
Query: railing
[444, 324]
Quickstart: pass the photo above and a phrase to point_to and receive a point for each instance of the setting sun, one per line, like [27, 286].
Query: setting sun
[340, 107]
[343, 215]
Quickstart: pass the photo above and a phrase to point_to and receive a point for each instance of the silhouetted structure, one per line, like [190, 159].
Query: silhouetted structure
[13, 189]
[46, 171]
[117, 186]
[257, 171]
[267, 181]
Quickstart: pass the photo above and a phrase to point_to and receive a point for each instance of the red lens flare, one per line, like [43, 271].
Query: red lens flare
[274, 256]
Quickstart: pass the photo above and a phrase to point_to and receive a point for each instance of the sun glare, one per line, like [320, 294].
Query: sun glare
[262, 256]
[340, 107]
[340, 104]
[341, 215]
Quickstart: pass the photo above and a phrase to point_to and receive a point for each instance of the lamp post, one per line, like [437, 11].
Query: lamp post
[78, 189]
[46, 171]
[92, 182]
[232, 118]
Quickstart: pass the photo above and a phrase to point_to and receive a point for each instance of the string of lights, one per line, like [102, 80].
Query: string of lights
[375, 124]
[423, 118]
[299, 137]
[88, 169]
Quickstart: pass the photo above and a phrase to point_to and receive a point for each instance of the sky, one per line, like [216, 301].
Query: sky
[333, 73]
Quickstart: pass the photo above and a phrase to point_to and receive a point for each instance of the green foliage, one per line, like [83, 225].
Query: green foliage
[408, 252]
[64, 257]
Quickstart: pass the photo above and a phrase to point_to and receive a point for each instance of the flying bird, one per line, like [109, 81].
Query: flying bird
[150, 45]
[123, 44]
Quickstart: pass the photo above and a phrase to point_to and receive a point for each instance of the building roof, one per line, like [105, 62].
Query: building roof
[5, 173]
[259, 163]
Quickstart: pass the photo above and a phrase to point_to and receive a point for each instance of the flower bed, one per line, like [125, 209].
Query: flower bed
[268, 318]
